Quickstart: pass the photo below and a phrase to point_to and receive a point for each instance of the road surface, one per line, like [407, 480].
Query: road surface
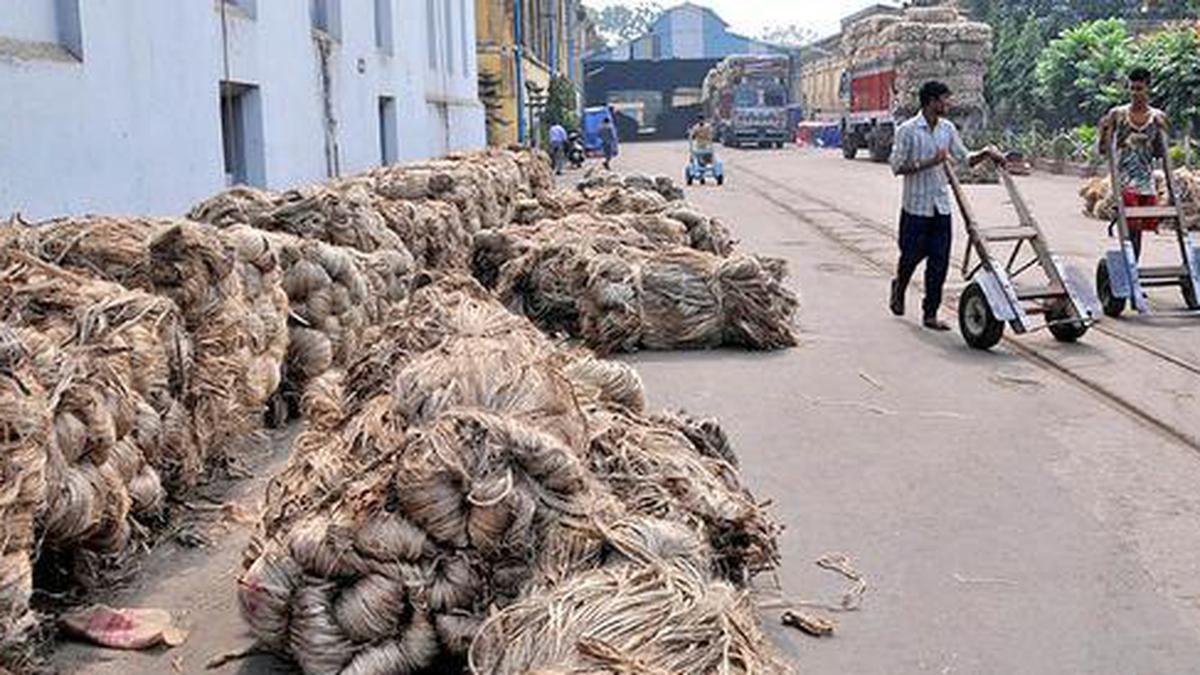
[1029, 510]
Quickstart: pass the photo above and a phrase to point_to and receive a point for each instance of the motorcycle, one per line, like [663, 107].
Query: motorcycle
[576, 153]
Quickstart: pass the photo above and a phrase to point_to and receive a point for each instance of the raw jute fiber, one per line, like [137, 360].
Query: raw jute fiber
[460, 466]
[228, 291]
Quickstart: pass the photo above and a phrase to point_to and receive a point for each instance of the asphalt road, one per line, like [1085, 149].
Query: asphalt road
[1012, 511]
[1029, 510]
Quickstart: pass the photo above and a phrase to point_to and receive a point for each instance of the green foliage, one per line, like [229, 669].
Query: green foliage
[1173, 56]
[1080, 74]
[561, 104]
[1012, 79]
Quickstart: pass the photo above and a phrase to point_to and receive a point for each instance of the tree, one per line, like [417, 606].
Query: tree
[1173, 56]
[1080, 74]
[560, 104]
[622, 23]
[789, 36]
[1012, 78]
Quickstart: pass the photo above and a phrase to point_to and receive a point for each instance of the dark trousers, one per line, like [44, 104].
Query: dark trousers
[558, 155]
[925, 238]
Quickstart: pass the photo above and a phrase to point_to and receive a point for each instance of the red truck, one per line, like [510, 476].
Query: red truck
[868, 123]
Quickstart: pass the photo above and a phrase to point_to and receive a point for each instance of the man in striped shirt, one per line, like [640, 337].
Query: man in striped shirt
[922, 145]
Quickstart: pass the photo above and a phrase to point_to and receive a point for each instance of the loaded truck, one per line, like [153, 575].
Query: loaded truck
[746, 98]
[890, 55]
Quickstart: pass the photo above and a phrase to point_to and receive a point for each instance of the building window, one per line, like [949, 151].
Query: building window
[50, 27]
[326, 17]
[446, 33]
[383, 25]
[464, 38]
[241, 134]
[388, 138]
[431, 33]
[245, 8]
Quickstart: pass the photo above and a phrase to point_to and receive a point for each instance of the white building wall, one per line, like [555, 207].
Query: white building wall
[135, 126]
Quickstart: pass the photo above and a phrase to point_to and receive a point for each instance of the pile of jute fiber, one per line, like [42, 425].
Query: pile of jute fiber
[228, 290]
[622, 287]
[116, 365]
[26, 427]
[336, 296]
[1098, 201]
[470, 462]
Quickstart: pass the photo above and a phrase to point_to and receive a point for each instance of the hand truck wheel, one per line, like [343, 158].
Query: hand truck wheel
[1061, 327]
[980, 328]
[1111, 304]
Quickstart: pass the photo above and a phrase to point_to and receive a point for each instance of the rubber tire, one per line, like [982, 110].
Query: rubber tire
[1112, 306]
[880, 153]
[973, 308]
[702, 180]
[1065, 332]
[849, 150]
[690, 180]
[721, 179]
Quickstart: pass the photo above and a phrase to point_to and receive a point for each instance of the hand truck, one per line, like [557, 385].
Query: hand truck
[1119, 278]
[1014, 292]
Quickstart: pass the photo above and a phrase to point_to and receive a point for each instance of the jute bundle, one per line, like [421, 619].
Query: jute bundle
[435, 232]
[655, 469]
[338, 214]
[104, 436]
[1099, 202]
[25, 428]
[238, 205]
[138, 339]
[483, 186]
[685, 299]
[334, 295]
[621, 298]
[448, 472]
[651, 607]
[398, 571]
[228, 291]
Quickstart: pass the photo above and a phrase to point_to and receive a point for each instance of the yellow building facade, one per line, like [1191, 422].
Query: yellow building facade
[551, 43]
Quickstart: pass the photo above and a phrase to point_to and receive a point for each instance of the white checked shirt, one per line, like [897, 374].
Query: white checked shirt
[926, 191]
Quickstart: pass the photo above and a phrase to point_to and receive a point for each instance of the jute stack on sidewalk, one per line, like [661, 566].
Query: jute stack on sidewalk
[25, 428]
[117, 365]
[335, 295]
[229, 293]
[468, 463]
[429, 209]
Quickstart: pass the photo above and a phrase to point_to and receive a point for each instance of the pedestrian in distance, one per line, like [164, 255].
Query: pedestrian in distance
[608, 141]
[558, 147]
[701, 136]
[921, 148]
[1136, 126]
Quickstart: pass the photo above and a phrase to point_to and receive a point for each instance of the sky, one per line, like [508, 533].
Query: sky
[749, 17]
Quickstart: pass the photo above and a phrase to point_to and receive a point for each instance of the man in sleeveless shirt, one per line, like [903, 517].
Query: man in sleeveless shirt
[1136, 127]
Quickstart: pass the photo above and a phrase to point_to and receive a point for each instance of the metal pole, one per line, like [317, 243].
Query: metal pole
[553, 25]
[518, 38]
